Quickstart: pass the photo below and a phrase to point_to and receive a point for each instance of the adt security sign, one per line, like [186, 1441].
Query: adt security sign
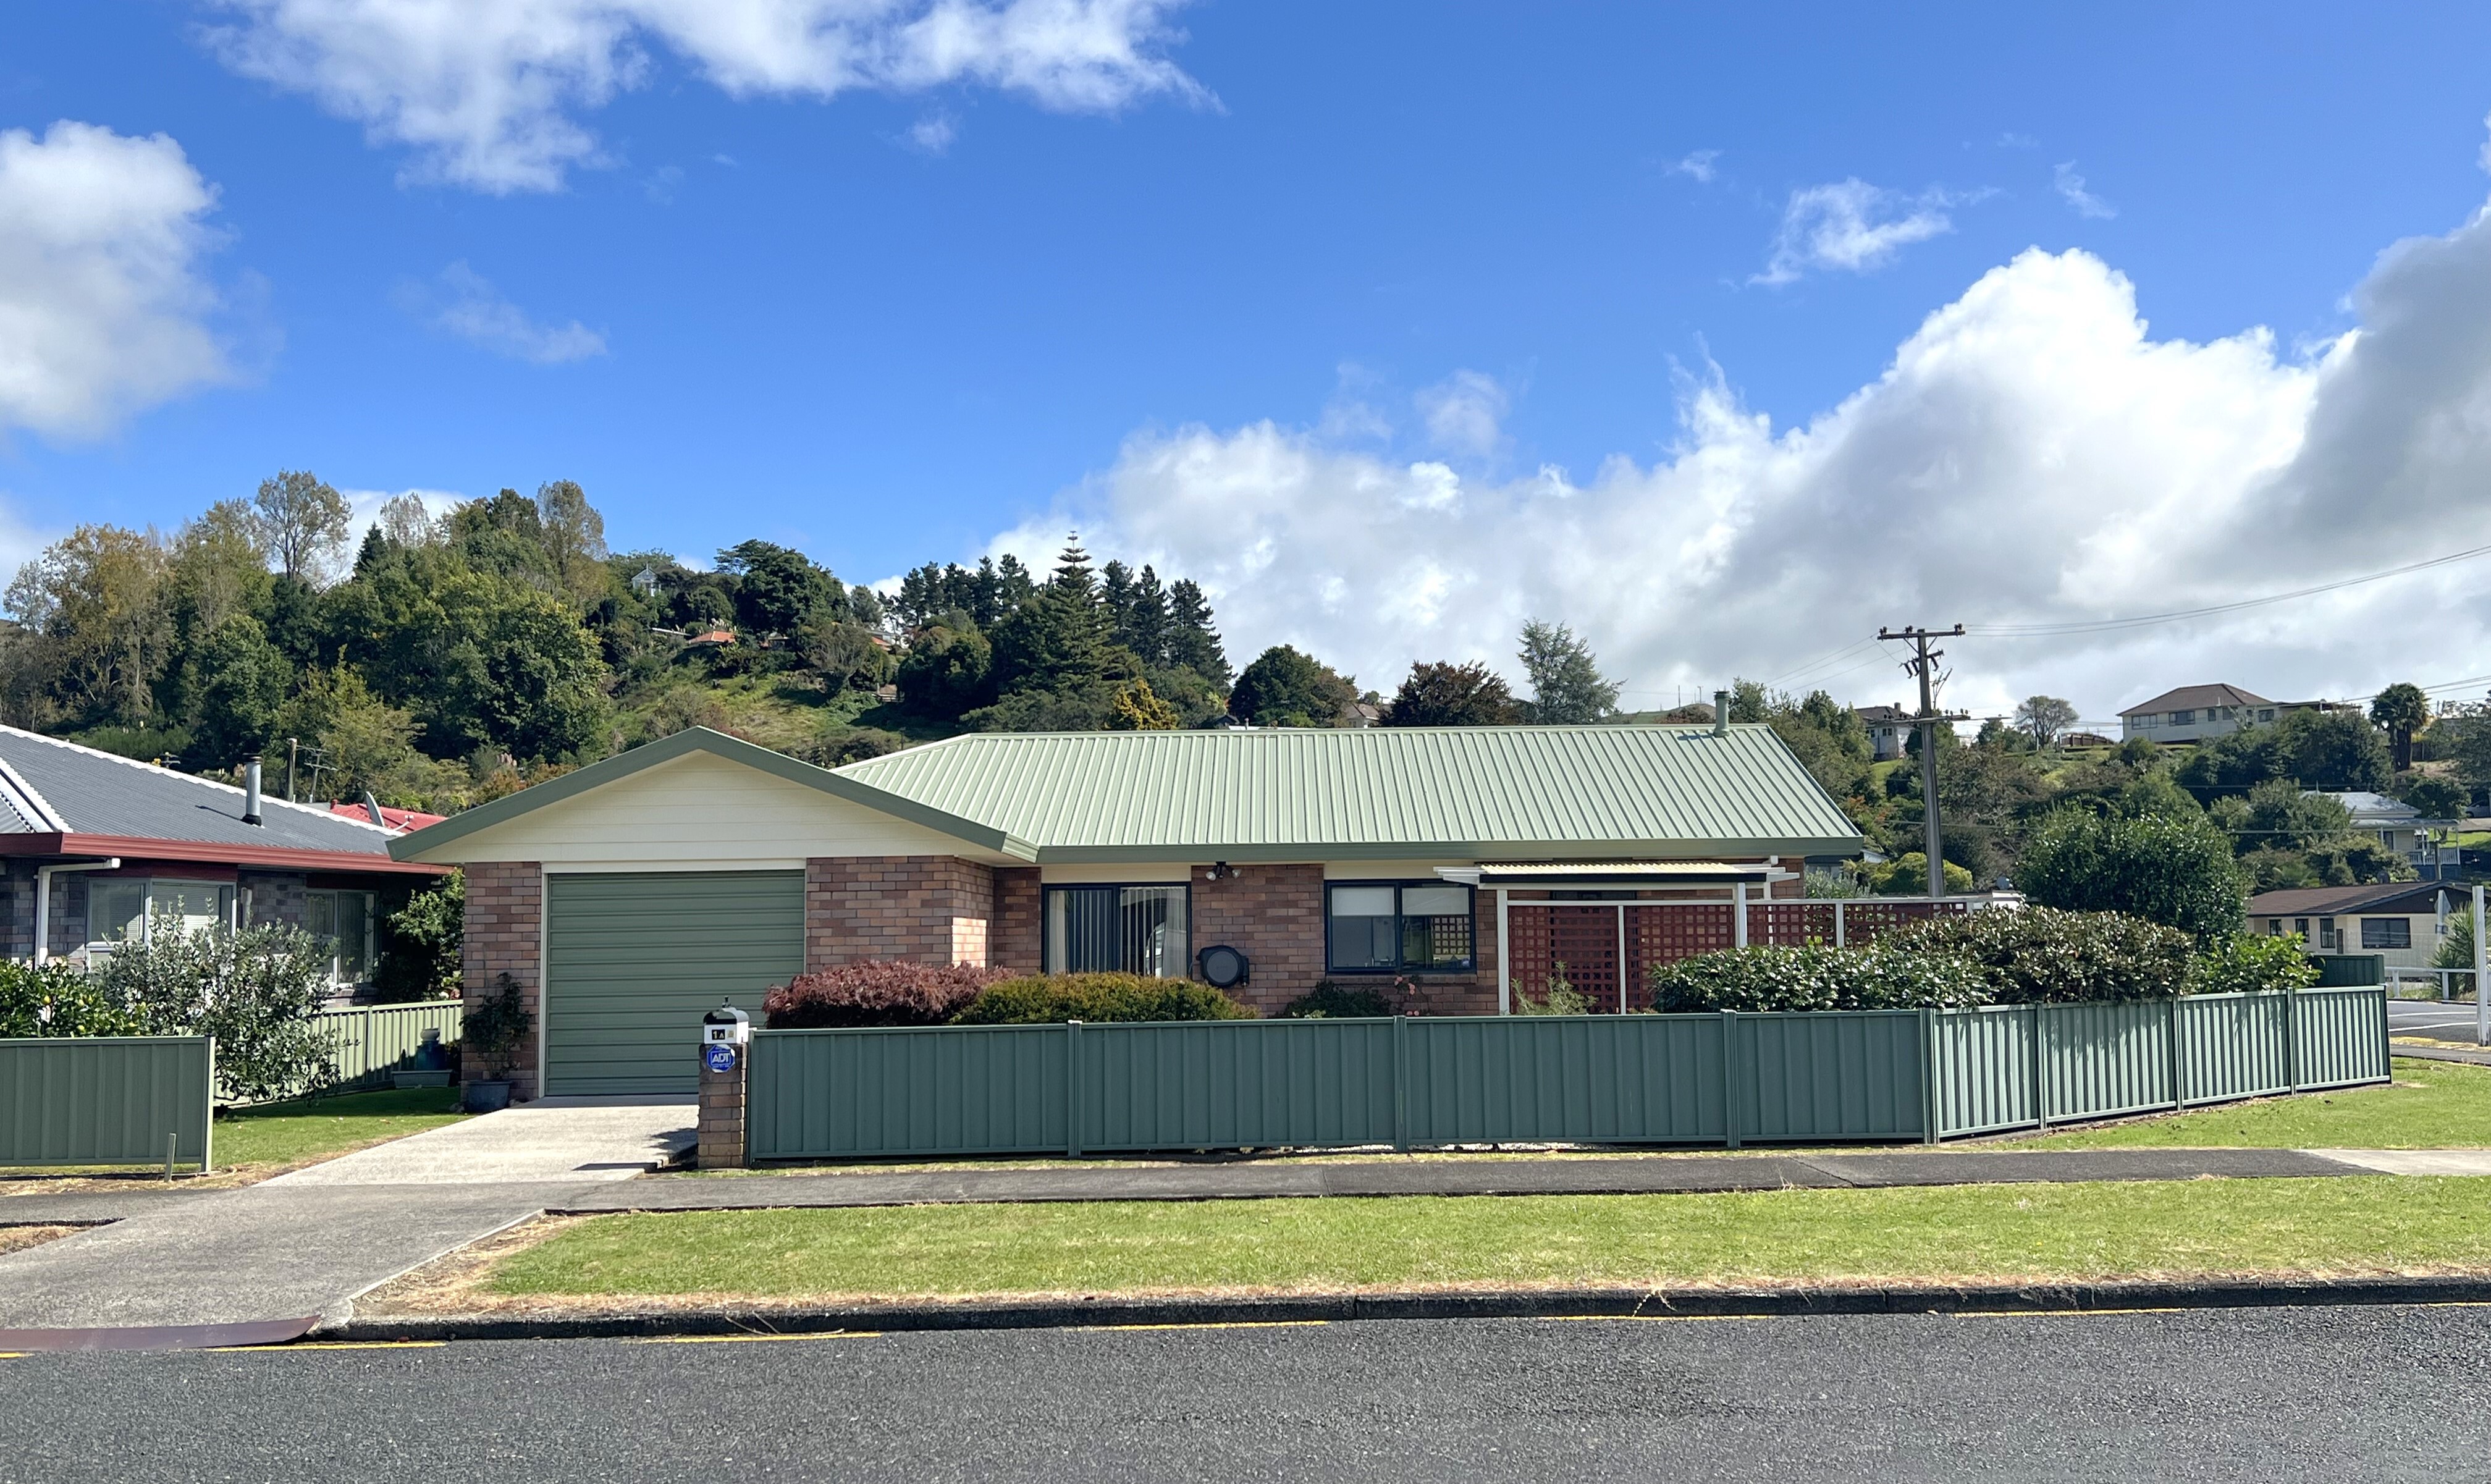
[721, 1059]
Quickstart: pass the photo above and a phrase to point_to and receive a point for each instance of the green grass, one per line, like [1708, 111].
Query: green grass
[315, 1127]
[2365, 1223]
[2430, 1105]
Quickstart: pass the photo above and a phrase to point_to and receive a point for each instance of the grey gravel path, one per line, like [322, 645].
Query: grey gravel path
[2216, 1396]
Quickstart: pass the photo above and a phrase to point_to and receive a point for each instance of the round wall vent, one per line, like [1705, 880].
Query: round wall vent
[1223, 967]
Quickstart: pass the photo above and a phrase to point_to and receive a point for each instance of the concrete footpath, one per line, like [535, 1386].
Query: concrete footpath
[1647, 1174]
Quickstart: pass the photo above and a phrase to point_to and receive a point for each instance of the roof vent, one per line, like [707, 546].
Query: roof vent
[1720, 714]
[251, 791]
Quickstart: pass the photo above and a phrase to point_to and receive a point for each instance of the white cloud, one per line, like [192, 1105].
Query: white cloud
[1850, 225]
[488, 92]
[461, 302]
[2032, 455]
[1698, 165]
[2071, 189]
[103, 303]
[934, 133]
[1465, 412]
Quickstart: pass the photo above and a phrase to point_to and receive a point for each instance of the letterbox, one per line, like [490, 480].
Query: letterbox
[725, 1026]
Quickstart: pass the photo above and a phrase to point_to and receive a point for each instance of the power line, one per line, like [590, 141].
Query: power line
[2103, 625]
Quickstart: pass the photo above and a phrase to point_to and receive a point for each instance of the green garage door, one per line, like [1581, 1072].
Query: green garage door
[633, 960]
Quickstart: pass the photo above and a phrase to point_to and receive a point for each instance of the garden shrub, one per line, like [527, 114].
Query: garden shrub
[2173, 870]
[422, 958]
[1817, 977]
[255, 990]
[1332, 999]
[2038, 954]
[60, 1000]
[1556, 997]
[880, 992]
[2247, 963]
[1047, 999]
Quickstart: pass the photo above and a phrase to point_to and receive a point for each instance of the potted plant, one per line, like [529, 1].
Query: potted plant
[494, 1029]
[431, 1069]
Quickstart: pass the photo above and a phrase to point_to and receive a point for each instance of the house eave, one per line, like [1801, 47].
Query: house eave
[261, 857]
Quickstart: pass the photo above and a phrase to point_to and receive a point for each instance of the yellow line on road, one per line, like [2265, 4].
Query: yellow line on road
[1654, 1319]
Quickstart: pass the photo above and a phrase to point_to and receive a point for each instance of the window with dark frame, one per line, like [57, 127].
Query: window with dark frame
[2384, 932]
[1119, 929]
[1400, 927]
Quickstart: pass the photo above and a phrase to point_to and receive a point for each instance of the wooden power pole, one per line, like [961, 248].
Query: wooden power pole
[1922, 665]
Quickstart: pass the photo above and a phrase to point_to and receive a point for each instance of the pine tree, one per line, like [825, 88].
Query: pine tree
[1013, 586]
[1143, 626]
[1116, 602]
[1072, 575]
[1192, 642]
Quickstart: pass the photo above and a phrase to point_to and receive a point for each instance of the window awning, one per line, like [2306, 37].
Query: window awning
[1572, 875]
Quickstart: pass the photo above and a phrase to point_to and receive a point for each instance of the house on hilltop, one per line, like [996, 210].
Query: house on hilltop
[2196, 713]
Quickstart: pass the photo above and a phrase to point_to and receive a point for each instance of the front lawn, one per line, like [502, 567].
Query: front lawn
[313, 1128]
[2356, 1224]
[2430, 1105]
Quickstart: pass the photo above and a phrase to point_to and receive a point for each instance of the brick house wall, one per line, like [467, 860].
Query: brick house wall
[1016, 940]
[922, 909]
[275, 899]
[17, 910]
[506, 934]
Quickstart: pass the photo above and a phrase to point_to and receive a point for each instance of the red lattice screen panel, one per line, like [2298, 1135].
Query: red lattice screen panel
[1665, 932]
[1865, 918]
[1790, 924]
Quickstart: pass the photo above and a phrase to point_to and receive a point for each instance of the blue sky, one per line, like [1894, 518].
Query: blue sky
[896, 312]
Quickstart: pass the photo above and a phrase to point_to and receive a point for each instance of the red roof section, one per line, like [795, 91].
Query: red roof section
[399, 820]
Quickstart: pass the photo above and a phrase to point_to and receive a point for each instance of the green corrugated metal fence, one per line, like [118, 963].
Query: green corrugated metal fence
[2344, 971]
[1723, 1080]
[106, 1100]
[368, 1043]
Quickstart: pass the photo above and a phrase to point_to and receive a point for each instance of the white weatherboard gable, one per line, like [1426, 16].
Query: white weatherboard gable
[699, 812]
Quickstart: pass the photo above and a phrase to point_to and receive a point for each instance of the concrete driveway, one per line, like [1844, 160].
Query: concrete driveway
[562, 1140]
[306, 1244]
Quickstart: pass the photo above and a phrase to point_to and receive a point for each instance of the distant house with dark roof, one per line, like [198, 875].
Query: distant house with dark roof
[2401, 921]
[95, 848]
[1889, 730]
[2195, 712]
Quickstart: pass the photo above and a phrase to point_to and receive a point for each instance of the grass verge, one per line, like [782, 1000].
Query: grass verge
[1990, 1233]
[2430, 1105]
[252, 1143]
[317, 1128]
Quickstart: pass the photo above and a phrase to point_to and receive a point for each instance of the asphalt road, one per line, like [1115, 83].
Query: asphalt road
[2430, 1017]
[2221, 1395]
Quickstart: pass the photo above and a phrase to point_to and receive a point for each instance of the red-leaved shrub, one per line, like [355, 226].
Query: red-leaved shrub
[877, 992]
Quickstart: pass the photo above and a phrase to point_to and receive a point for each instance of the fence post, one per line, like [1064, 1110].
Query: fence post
[1072, 1089]
[2040, 1069]
[2292, 1038]
[1400, 1083]
[1837, 922]
[208, 1121]
[2179, 1064]
[1730, 1079]
[1928, 1075]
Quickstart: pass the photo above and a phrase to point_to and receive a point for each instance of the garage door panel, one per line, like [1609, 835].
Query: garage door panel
[633, 960]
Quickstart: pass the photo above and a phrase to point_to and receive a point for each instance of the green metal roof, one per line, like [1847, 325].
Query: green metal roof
[1375, 792]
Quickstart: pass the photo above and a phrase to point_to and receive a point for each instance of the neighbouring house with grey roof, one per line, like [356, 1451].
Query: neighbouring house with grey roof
[2402, 921]
[1450, 865]
[1889, 730]
[2195, 712]
[2427, 845]
[98, 849]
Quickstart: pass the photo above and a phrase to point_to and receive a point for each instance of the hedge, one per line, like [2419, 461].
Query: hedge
[2043, 955]
[878, 992]
[1817, 977]
[1048, 999]
[1332, 999]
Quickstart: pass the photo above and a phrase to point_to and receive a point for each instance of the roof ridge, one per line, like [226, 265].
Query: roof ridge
[265, 797]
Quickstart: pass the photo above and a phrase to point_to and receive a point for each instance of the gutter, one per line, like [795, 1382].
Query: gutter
[43, 875]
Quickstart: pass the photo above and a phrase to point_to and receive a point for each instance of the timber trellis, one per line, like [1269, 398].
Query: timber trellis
[1721, 1080]
[1588, 942]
